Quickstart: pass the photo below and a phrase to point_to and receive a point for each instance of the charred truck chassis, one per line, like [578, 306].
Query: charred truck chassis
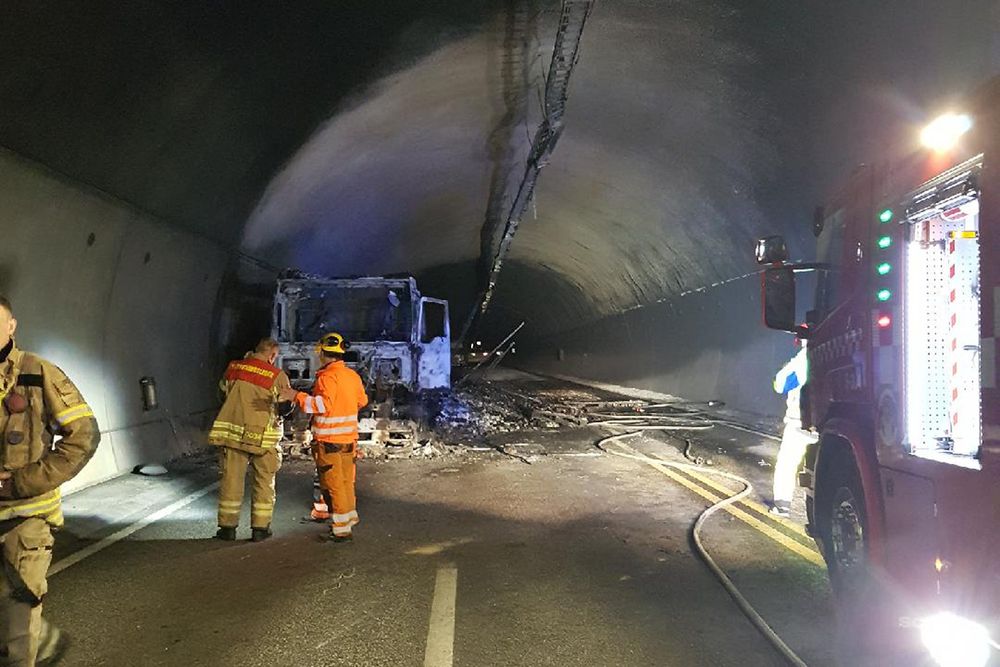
[400, 345]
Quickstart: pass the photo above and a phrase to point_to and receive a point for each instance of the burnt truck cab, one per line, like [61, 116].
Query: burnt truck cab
[903, 485]
[400, 341]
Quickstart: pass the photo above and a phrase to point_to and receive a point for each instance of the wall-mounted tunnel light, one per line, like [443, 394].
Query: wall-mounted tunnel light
[884, 242]
[945, 131]
[883, 295]
[884, 268]
[885, 216]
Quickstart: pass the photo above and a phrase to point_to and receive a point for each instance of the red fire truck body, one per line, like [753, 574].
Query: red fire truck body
[903, 486]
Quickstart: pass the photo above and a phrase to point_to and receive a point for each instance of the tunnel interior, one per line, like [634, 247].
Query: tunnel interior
[161, 161]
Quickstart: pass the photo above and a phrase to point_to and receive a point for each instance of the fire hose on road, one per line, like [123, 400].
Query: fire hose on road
[638, 428]
[636, 417]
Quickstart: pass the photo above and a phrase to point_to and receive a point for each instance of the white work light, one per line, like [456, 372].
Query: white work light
[944, 132]
[954, 641]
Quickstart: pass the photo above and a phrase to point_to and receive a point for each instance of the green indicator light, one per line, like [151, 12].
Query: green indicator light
[884, 242]
[885, 216]
[884, 268]
[884, 295]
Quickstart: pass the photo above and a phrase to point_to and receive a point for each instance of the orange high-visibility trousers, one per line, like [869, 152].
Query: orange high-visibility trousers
[337, 471]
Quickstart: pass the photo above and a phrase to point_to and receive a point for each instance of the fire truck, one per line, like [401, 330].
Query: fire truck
[903, 484]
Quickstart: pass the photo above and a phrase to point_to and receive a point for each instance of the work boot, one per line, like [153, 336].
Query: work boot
[320, 512]
[227, 533]
[53, 645]
[782, 508]
[260, 534]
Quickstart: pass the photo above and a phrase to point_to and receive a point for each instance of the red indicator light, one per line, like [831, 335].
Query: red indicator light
[884, 322]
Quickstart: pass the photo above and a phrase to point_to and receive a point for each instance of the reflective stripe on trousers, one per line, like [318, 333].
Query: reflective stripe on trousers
[233, 465]
[336, 480]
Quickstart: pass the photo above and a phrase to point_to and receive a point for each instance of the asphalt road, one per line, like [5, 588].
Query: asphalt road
[577, 558]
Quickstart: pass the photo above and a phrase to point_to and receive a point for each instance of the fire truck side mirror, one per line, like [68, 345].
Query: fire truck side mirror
[771, 250]
[778, 297]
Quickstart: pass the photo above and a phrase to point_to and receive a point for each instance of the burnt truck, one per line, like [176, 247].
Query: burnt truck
[400, 345]
[903, 484]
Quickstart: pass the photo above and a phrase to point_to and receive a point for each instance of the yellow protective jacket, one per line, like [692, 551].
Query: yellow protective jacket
[38, 403]
[337, 396]
[249, 420]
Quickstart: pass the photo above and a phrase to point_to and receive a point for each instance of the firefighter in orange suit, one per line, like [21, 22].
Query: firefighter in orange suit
[247, 432]
[336, 398]
[38, 403]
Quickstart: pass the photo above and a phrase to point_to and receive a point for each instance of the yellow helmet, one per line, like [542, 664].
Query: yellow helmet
[333, 343]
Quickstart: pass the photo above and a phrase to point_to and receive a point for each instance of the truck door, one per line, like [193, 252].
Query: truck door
[839, 349]
[434, 359]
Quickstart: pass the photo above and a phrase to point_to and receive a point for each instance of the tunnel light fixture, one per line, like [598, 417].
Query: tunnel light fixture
[883, 295]
[884, 268]
[885, 216]
[884, 242]
[943, 132]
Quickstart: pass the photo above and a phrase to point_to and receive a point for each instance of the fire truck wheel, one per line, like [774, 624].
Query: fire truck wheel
[844, 525]
[859, 600]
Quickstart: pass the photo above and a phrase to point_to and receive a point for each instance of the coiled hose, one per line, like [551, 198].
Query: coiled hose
[637, 428]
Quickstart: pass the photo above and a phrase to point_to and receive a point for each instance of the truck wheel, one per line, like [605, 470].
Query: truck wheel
[844, 521]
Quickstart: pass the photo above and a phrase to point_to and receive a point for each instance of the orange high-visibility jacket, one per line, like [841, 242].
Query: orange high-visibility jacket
[337, 396]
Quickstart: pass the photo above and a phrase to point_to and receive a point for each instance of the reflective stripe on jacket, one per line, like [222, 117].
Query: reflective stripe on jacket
[248, 420]
[334, 403]
[38, 462]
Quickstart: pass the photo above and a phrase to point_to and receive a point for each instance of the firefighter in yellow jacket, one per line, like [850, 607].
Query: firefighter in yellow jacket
[334, 403]
[38, 403]
[247, 432]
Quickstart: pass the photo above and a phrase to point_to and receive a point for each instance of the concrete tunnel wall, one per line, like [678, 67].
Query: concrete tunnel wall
[707, 345]
[139, 300]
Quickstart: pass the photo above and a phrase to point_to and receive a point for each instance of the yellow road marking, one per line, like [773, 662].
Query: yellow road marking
[755, 506]
[808, 554]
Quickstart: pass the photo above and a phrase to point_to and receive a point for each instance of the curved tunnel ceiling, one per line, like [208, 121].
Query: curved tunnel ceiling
[377, 137]
[650, 191]
[187, 109]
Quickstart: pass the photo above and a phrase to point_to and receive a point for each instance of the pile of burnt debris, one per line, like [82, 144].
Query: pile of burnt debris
[474, 416]
[473, 412]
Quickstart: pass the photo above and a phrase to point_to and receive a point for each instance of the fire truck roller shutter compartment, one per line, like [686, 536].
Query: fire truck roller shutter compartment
[941, 307]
